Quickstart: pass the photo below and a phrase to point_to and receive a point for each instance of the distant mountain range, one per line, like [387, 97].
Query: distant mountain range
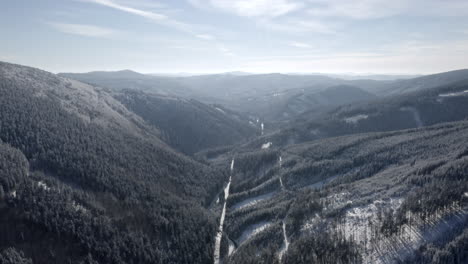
[123, 167]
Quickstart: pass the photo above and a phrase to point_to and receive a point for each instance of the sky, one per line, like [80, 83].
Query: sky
[210, 36]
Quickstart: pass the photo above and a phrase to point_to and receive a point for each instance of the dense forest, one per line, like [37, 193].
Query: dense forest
[115, 197]
[98, 175]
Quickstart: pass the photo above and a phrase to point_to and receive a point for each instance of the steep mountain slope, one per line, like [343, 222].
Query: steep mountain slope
[422, 83]
[126, 79]
[188, 125]
[442, 104]
[371, 198]
[88, 180]
[308, 100]
[260, 95]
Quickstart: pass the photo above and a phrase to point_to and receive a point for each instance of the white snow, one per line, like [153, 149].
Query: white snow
[262, 126]
[252, 230]
[355, 119]
[285, 246]
[219, 235]
[232, 165]
[42, 185]
[252, 201]
[78, 207]
[267, 145]
[221, 110]
[453, 94]
[232, 247]
[466, 194]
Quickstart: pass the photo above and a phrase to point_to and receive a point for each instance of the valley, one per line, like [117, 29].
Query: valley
[138, 174]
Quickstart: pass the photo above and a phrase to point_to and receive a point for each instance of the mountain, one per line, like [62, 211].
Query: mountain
[85, 180]
[412, 110]
[423, 82]
[99, 173]
[186, 124]
[258, 95]
[308, 100]
[392, 197]
[126, 79]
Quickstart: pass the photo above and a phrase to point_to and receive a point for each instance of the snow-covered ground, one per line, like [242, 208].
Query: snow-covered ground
[454, 94]
[252, 201]
[231, 247]
[285, 246]
[42, 185]
[267, 145]
[355, 119]
[252, 230]
[219, 235]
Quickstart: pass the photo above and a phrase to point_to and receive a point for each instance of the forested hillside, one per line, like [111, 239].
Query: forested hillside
[92, 182]
[97, 175]
[422, 108]
[371, 198]
[189, 125]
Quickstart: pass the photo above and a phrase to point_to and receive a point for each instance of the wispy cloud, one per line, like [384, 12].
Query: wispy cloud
[372, 9]
[84, 30]
[251, 8]
[156, 17]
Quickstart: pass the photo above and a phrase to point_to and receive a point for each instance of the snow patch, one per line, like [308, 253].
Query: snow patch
[454, 94]
[285, 246]
[42, 185]
[252, 230]
[355, 119]
[252, 201]
[221, 110]
[267, 145]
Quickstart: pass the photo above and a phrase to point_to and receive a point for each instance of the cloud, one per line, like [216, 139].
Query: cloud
[84, 30]
[251, 8]
[299, 45]
[153, 16]
[373, 9]
[297, 26]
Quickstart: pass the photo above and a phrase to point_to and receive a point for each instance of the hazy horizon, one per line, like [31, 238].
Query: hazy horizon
[260, 36]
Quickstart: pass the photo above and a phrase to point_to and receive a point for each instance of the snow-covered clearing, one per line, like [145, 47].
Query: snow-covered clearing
[285, 246]
[267, 145]
[454, 94]
[355, 119]
[252, 230]
[219, 235]
[252, 201]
